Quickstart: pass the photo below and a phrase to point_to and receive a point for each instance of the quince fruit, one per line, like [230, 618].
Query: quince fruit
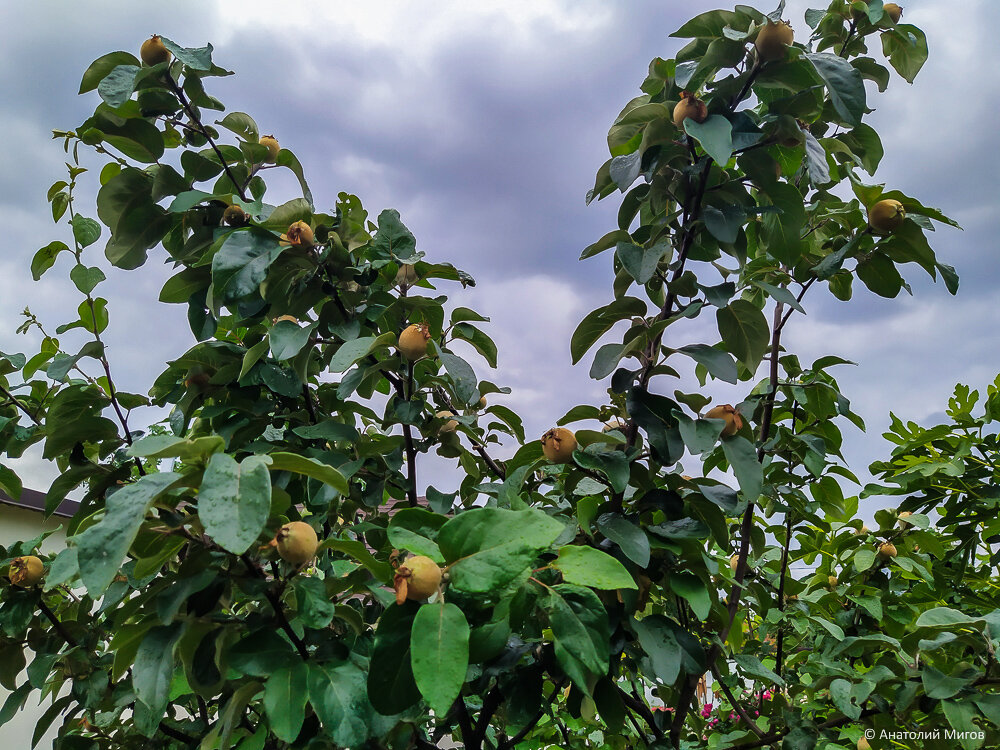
[450, 426]
[26, 571]
[298, 234]
[893, 11]
[297, 542]
[832, 581]
[271, 144]
[153, 51]
[417, 578]
[731, 416]
[886, 216]
[413, 341]
[887, 550]
[773, 40]
[558, 445]
[689, 106]
[234, 216]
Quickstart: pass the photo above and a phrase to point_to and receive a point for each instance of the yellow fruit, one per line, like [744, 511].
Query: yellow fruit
[234, 216]
[271, 143]
[298, 234]
[893, 11]
[727, 412]
[413, 341]
[689, 106]
[832, 580]
[863, 744]
[289, 318]
[773, 40]
[406, 275]
[481, 404]
[734, 561]
[450, 425]
[887, 550]
[26, 571]
[153, 51]
[417, 578]
[863, 531]
[886, 216]
[902, 522]
[297, 542]
[558, 445]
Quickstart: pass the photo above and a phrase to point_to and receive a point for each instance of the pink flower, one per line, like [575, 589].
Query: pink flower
[706, 710]
[767, 695]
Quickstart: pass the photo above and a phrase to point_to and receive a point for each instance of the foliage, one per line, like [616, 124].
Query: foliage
[581, 603]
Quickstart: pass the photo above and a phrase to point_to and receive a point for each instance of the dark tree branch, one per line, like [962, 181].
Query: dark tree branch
[276, 605]
[526, 729]
[634, 703]
[60, 628]
[737, 706]
[177, 735]
[780, 645]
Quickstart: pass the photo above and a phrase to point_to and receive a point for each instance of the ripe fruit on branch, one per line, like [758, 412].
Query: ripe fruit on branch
[234, 216]
[413, 341]
[271, 144]
[886, 216]
[689, 106]
[153, 51]
[773, 40]
[558, 445]
[893, 11]
[417, 578]
[298, 234]
[887, 550]
[26, 571]
[832, 581]
[450, 426]
[902, 522]
[727, 412]
[863, 531]
[297, 542]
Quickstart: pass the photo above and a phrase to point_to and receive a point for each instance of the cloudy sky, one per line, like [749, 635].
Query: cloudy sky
[483, 124]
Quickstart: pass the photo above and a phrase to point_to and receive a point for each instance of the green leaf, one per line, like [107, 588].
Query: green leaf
[742, 456]
[640, 262]
[613, 464]
[631, 538]
[101, 548]
[241, 264]
[463, 376]
[692, 588]
[864, 558]
[287, 339]
[844, 82]
[310, 467]
[45, 258]
[415, 529]
[196, 58]
[744, 332]
[287, 159]
[61, 364]
[234, 501]
[715, 136]
[126, 207]
[391, 687]
[74, 417]
[586, 566]
[488, 548]
[356, 349]
[86, 279]
[154, 667]
[840, 692]
[906, 47]
[439, 653]
[939, 685]
[658, 637]
[946, 617]
[117, 85]
[581, 632]
[285, 694]
[393, 241]
[10, 483]
[752, 666]
[242, 124]
[339, 696]
[479, 340]
[315, 610]
[719, 364]
[102, 66]
[600, 321]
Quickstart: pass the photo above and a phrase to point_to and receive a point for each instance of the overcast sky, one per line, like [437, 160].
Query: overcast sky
[484, 124]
